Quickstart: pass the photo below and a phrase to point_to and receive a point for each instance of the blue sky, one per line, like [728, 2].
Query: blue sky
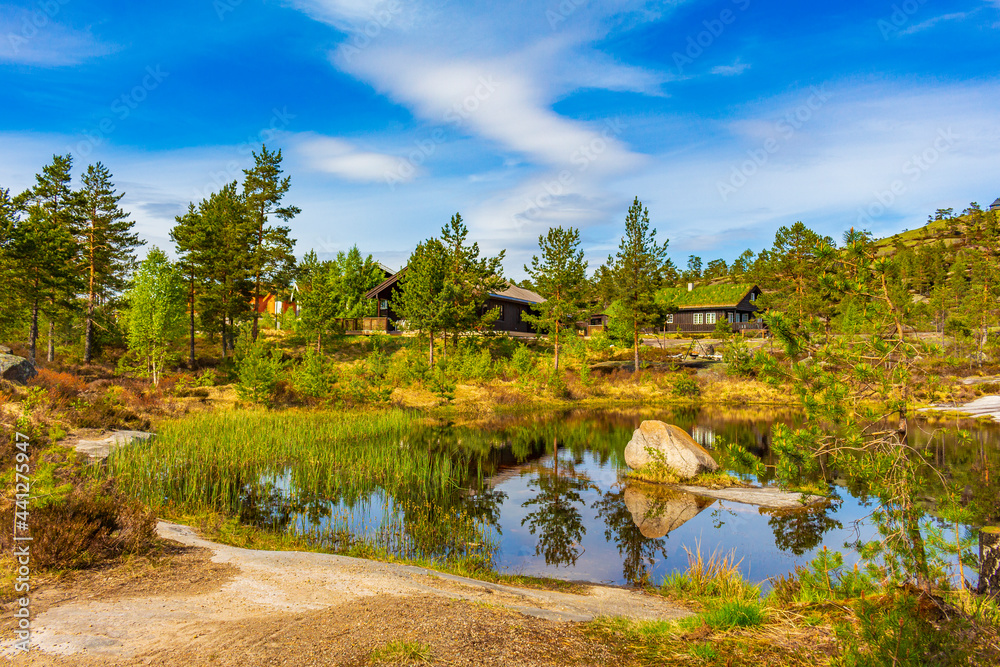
[727, 118]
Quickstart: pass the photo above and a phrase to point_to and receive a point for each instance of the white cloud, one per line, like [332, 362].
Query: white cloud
[735, 69]
[342, 159]
[34, 37]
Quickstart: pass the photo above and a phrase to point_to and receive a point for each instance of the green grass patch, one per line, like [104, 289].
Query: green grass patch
[399, 652]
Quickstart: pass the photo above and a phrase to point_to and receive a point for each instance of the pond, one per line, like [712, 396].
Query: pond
[547, 495]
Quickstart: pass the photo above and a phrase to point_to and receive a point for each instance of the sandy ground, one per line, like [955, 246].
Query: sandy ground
[211, 604]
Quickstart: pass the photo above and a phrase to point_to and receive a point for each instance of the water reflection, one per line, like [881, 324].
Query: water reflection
[546, 494]
[557, 517]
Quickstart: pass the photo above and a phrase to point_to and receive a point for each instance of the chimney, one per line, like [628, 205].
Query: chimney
[690, 286]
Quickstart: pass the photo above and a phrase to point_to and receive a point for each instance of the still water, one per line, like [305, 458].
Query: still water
[547, 495]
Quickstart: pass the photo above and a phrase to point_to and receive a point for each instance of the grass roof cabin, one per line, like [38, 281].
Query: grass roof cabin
[699, 309]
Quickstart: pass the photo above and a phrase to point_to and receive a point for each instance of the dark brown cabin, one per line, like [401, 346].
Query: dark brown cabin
[511, 303]
[699, 309]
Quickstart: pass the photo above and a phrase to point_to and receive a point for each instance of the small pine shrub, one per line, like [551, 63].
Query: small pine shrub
[314, 377]
[522, 362]
[686, 387]
[257, 370]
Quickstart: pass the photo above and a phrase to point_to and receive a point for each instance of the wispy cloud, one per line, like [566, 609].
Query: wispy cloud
[930, 23]
[344, 160]
[735, 69]
[34, 37]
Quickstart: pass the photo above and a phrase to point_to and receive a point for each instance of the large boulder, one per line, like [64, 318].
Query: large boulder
[656, 441]
[658, 510]
[16, 369]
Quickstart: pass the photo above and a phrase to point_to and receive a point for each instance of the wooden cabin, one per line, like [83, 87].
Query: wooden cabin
[699, 309]
[511, 304]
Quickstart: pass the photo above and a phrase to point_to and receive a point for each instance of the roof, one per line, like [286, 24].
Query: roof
[705, 296]
[995, 205]
[515, 293]
[512, 293]
[388, 282]
[388, 271]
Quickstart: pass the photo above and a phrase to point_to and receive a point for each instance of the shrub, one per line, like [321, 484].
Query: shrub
[522, 362]
[739, 359]
[88, 526]
[686, 387]
[257, 370]
[314, 376]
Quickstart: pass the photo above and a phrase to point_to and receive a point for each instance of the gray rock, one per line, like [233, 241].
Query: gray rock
[5, 350]
[16, 369]
[100, 449]
[768, 498]
[658, 510]
[657, 441]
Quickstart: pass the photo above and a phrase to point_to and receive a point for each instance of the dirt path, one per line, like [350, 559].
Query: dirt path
[221, 605]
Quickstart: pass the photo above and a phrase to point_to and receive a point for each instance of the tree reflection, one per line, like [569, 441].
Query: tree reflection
[799, 530]
[637, 551]
[557, 520]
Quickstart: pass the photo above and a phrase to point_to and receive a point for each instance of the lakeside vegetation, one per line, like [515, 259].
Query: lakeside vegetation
[247, 407]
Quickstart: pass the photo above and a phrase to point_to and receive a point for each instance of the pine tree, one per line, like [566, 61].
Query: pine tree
[637, 270]
[107, 243]
[560, 275]
[469, 281]
[271, 261]
[422, 301]
[220, 251]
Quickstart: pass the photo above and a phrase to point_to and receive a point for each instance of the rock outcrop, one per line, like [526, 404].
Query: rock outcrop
[16, 369]
[656, 441]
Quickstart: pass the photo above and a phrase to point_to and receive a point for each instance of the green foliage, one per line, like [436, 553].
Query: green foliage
[560, 276]
[897, 630]
[258, 369]
[824, 579]
[522, 362]
[398, 652]
[155, 318]
[637, 272]
[421, 299]
[335, 289]
[735, 614]
[738, 358]
[270, 262]
[440, 384]
[315, 376]
[685, 387]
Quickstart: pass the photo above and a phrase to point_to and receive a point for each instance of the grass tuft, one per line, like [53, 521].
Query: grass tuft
[398, 652]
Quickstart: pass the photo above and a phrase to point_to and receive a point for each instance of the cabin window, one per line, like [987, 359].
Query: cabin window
[699, 318]
[595, 321]
[753, 297]
[500, 314]
[670, 318]
[710, 318]
[729, 316]
[384, 305]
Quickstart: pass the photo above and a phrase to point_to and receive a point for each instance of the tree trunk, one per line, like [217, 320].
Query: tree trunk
[33, 333]
[51, 356]
[224, 341]
[557, 348]
[989, 561]
[430, 357]
[635, 331]
[191, 358]
[88, 342]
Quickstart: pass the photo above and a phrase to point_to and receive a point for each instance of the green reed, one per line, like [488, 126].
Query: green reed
[314, 474]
